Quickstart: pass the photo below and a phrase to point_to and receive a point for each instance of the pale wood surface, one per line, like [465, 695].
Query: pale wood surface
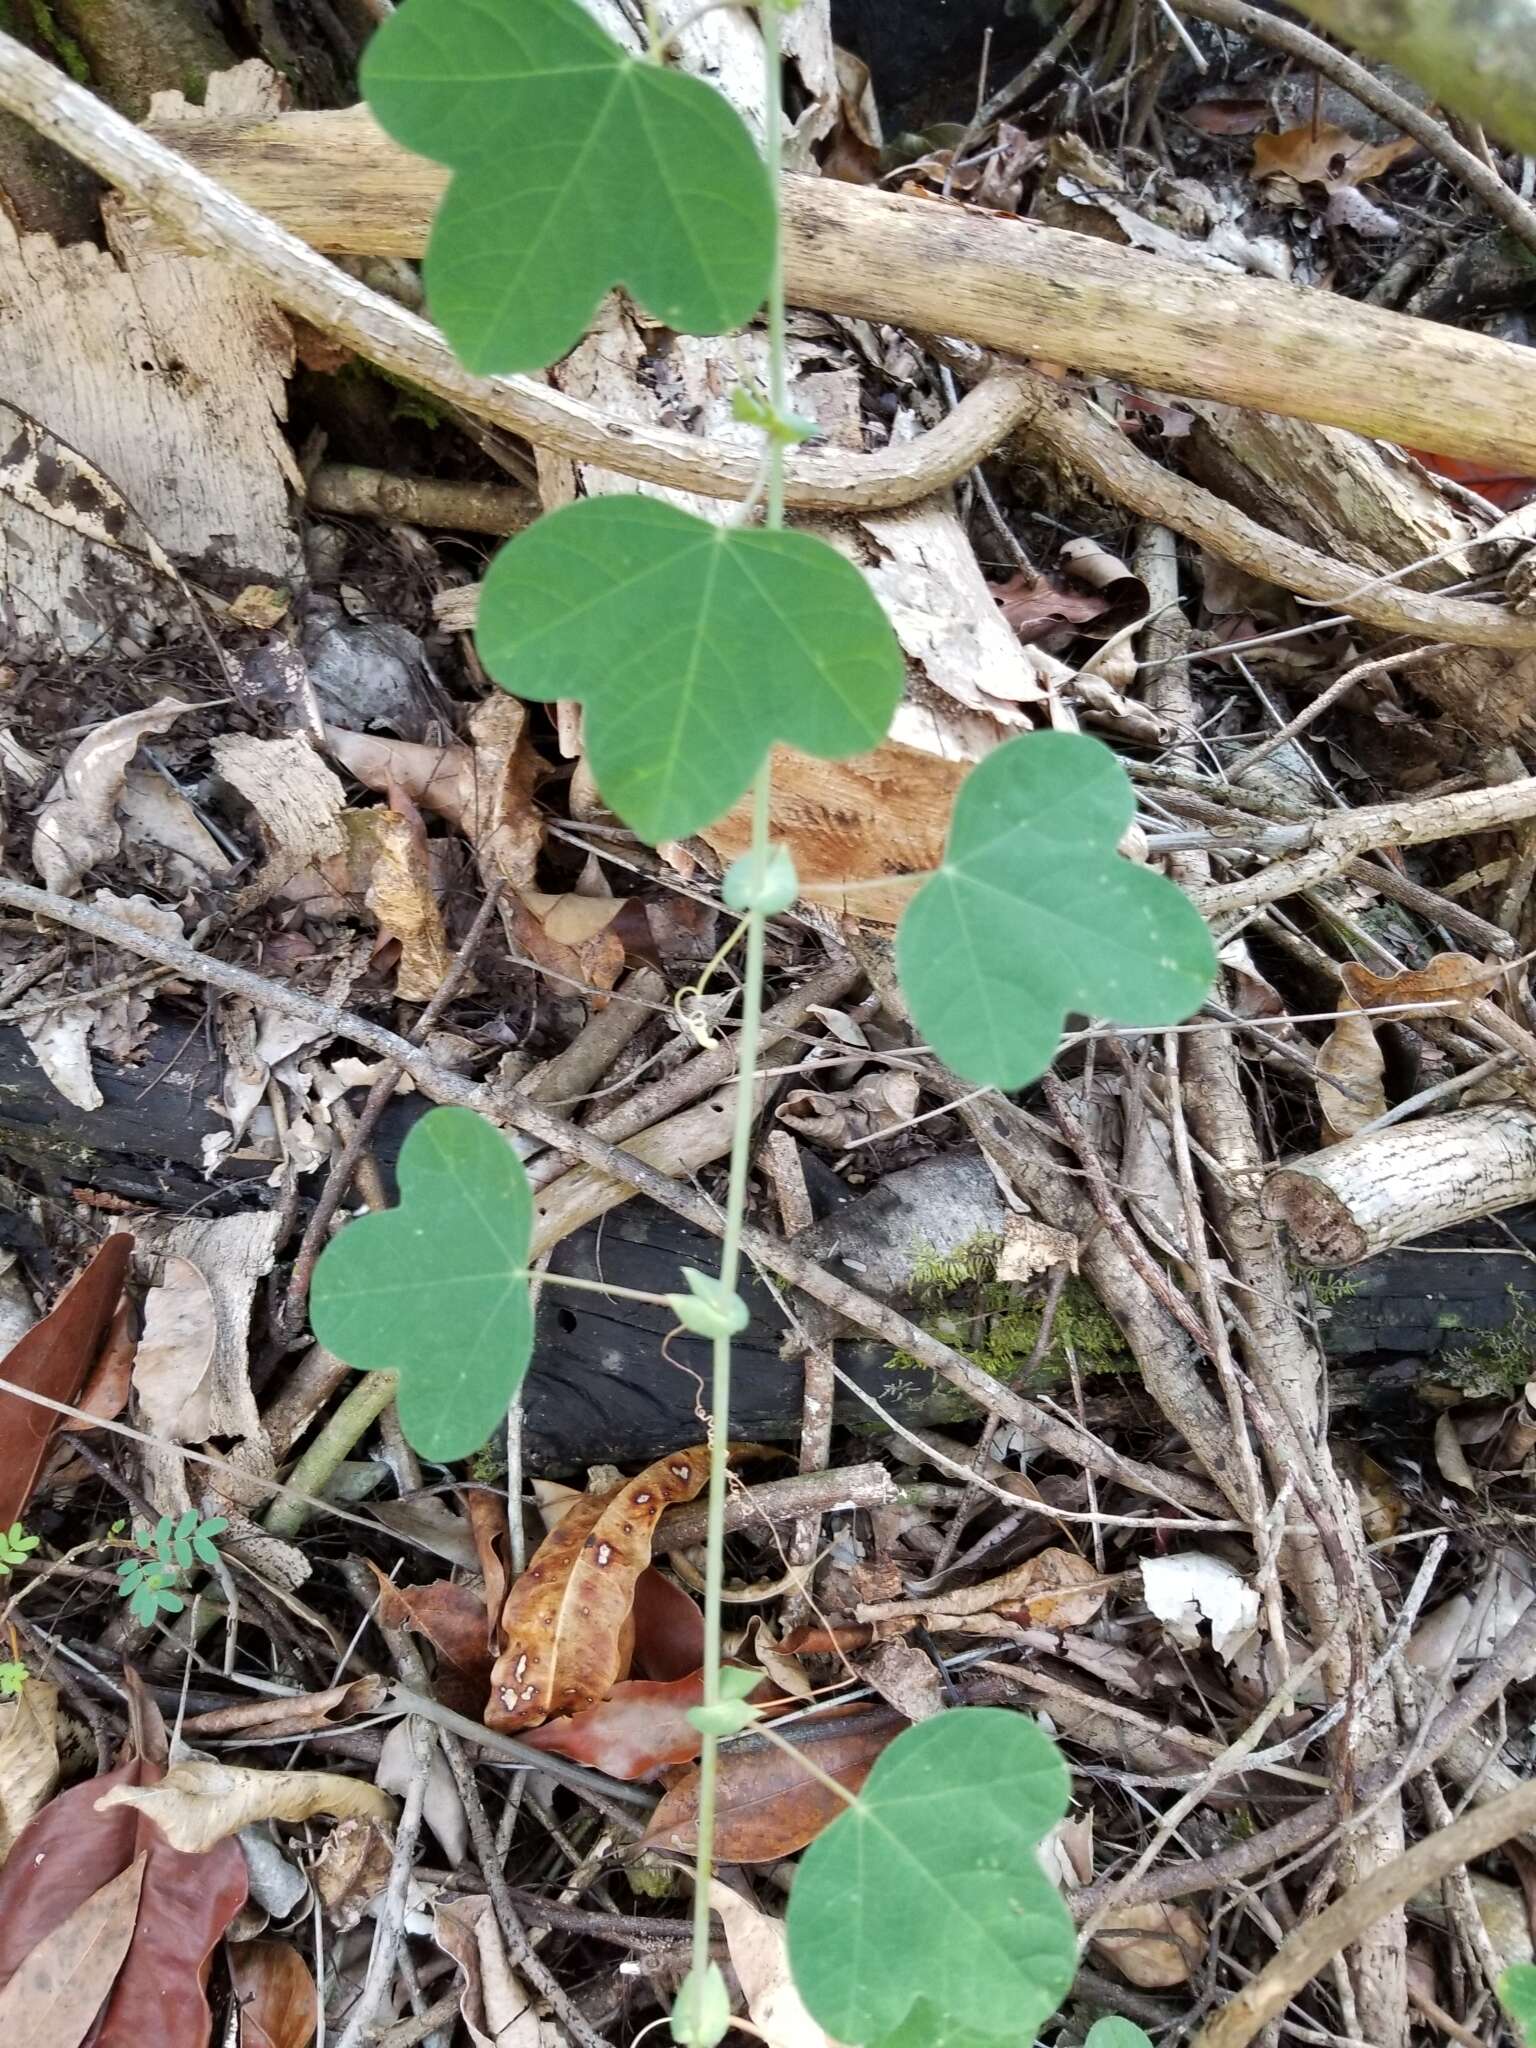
[167, 372]
[338, 182]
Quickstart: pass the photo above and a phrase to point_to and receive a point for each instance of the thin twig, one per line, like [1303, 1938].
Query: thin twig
[1317, 1940]
[758, 1245]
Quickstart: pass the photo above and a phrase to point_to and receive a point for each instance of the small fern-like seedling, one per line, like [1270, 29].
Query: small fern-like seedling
[149, 1582]
[13, 1678]
[15, 1544]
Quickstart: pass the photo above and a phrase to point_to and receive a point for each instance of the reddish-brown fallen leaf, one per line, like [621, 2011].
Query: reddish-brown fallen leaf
[275, 1992]
[452, 1618]
[766, 1805]
[105, 1393]
[640, 1728]
[1043, 612]
[487, 1516]
[69, 1851]
[1446, 978]
[669, 1628]
[1325, 155]
[1506, 488]
[54, 1359]
[567, 1628]
[55, 1995]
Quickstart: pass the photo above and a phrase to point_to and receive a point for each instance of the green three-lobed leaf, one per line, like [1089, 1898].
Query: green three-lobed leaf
[693, 647]
[922, 1913]
[436, 1289]
[1034, 914]
[1517, 1995]
[577, 167]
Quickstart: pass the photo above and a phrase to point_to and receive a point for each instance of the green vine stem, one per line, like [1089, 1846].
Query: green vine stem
[342, 1433]
[751, 1023]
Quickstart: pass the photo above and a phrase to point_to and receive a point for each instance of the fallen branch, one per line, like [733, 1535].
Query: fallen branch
[204, 216]
[620, 1165]
[783, 1500]
[359, 493]
[1320, 847]
[1073, 430]
[1317, 1941]
[1449, 1732]
[339, 182]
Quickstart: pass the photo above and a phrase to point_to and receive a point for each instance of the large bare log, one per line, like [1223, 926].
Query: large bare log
[337, 181]
[1385, 1187]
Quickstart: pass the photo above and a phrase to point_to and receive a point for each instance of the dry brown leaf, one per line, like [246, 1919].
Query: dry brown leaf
[401, 898]
[905, 1678]
[637, 1732]
[292, 1713]
[496, 2006]
[276, 1994]
[1154, 1946]
[782, 1666]
[352, 1869]
[452, 1617]
[569, 936]
[486, 1513]
[1326, 155]
[1057, 1588]
[77, 824]
[1030, 1247]
[760, 1957]
[196, 1805]
[175, 1355]
[54, 1358]
[1450, 1457]
[1351, 1074]
[57, 1992]
[1045, 613]
[566, 1618]
[29, 1757]
[881, 1101]
[484, 791]
[1454, 981]
[767, 1804]
[442, 1808]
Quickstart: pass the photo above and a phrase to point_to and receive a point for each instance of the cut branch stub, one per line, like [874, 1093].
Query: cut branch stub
[1378, 1190]
[566, 1627]
[576, 167]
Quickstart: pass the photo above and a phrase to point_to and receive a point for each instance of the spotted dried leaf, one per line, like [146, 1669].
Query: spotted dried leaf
[1153, 1946]
[566, 1620]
